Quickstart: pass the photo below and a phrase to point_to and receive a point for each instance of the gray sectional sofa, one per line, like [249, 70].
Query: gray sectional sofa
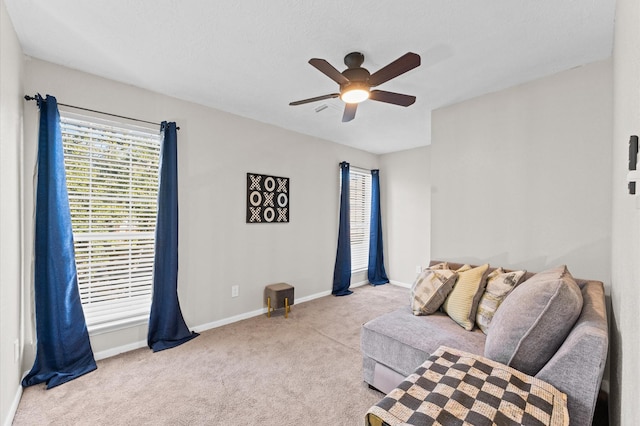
[395, 344]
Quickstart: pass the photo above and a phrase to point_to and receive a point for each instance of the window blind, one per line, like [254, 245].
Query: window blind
[112, 179]
[360, 203]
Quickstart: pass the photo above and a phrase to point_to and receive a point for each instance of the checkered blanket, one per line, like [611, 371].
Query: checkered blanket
[458, 388]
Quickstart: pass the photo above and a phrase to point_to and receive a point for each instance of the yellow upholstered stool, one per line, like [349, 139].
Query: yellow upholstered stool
[279, 296]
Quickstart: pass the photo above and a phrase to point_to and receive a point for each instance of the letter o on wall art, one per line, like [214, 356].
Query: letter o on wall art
[267, 199]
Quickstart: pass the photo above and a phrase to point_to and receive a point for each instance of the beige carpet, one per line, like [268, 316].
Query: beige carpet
[304, 370]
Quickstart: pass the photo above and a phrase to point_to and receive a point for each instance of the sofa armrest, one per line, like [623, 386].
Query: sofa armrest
[577, 367]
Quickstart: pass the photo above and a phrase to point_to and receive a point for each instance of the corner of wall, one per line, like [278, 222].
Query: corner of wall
[8, 420]
[11, 111]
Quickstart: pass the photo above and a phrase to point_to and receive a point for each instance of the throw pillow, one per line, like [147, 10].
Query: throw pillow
[462, 302]
[441, 265]
[463, 268]
[430, 289]
[499, 285]
[534, 320]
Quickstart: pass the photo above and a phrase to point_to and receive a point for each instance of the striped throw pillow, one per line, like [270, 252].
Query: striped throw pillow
[462, 302]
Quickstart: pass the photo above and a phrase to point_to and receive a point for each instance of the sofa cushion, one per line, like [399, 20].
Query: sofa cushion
[402, 341]
[462, 302]
[431, 288]
[499, 285]
[534, 320]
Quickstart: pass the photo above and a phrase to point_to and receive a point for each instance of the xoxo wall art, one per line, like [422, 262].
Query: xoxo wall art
[267, 199]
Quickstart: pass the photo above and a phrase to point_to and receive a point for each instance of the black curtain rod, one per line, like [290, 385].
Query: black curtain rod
[33, 98]
[355, 167]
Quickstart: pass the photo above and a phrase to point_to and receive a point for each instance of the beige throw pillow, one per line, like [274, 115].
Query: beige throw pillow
[499, 285]
[462, 302]
[463, 268]
[430, 289]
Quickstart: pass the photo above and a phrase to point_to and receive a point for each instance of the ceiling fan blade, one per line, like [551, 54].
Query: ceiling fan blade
[349, 112]
[327, 69]
[317, 98]
[392, 98]
[401, 65]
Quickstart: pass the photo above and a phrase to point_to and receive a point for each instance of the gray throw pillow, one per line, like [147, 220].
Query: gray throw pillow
[533, 320]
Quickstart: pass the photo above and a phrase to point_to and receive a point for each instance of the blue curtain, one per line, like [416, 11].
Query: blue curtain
[167, 328]
[63, 349]
[377, 274]
[342, 269]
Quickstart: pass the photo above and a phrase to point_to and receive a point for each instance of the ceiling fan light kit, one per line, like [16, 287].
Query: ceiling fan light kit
[356, 82]
[355, 93]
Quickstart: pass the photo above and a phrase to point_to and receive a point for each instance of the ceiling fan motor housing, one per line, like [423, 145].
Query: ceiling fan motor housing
[358, 79]
[354, 60]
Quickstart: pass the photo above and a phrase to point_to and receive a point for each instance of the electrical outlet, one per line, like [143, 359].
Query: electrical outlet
[235, 290]
[418, 269]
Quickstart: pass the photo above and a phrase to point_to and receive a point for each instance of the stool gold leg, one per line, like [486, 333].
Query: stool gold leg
[268, 307]
[286, 307]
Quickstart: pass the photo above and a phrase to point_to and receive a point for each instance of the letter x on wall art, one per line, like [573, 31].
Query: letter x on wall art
[267, 199]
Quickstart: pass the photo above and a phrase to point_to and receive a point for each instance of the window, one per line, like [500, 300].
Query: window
[112, 178]
[360, 203]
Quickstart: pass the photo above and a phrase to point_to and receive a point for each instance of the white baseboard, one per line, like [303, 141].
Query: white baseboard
[358, 284]
[251, 314]
[14, 407]
[400, 284]
[119, 349]
[208, 326]
[229, 320]
[312, 297]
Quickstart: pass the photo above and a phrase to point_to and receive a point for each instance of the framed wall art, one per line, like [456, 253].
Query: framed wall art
[268, 199]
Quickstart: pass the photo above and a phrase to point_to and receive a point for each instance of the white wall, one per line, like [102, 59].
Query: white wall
[217, 249]
[10, 213]
[522, 177]
[405, 181]
[625, 274]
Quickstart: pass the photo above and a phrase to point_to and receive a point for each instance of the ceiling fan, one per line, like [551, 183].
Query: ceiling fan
[356, 82]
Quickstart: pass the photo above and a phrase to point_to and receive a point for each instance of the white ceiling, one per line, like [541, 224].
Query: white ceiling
[250, 57]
